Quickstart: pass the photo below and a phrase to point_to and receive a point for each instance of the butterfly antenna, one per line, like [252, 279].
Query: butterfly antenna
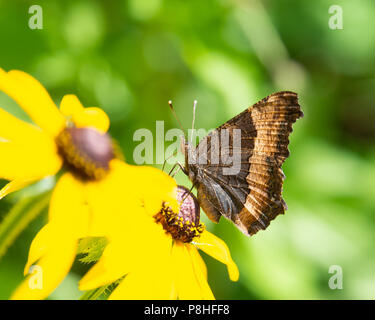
[175, 115]
[192, 125]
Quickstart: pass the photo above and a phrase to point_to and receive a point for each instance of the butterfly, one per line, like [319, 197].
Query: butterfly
[258, 138]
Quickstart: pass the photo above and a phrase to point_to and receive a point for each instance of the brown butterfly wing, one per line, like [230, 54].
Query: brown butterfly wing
[251, 198]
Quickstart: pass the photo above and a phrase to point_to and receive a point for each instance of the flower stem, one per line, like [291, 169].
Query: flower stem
[18, 218]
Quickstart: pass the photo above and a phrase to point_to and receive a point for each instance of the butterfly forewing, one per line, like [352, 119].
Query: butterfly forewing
[251, 197]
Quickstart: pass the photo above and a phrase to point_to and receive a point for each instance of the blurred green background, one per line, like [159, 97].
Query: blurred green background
[131, 57]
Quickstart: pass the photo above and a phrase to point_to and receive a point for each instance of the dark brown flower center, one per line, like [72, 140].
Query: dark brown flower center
[185, 225]
[86, 151]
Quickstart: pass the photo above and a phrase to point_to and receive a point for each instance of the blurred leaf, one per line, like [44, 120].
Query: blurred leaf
[92, 248]
[93, 294]
[83, 25]
[144, 9]
[22, 213]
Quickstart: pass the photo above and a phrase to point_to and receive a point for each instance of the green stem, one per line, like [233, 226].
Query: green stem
[18, 218]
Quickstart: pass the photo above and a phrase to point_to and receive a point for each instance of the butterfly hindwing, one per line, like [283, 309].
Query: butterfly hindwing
[251, 198]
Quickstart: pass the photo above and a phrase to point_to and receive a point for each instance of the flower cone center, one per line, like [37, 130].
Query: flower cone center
[185, 225]
[86, 151]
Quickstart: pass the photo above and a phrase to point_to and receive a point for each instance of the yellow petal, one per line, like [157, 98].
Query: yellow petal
[30, 162]
[155, 187]
[135, 243]
[200, 271]
[113, 264]
[161, 186]
[198, 261]
[55, 245]
[70, 105]
[40, 245]
[33, 98]
[84, 117]
[153, 284]
[151, 279]
[120, 194]
[68, 208]
[51, 270]
[110, 204]
[217, 249]
[92, 117]
[151, 185]
[187, 284]
[14, 129]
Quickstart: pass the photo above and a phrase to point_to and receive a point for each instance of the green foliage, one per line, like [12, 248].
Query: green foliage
[131, 57]
[100, 293]
[18, 218]
[91, 249]
[93, 294]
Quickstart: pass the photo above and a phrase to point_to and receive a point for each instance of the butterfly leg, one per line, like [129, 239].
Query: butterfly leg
[165, 161]
[180, 167]
[187, 194]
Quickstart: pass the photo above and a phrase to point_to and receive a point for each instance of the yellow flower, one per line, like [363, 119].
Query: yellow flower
[151, 239]
[30, 153]
[75, 137]
[159, 256]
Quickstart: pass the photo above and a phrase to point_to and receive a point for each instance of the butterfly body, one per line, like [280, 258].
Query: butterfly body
[257, 140]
